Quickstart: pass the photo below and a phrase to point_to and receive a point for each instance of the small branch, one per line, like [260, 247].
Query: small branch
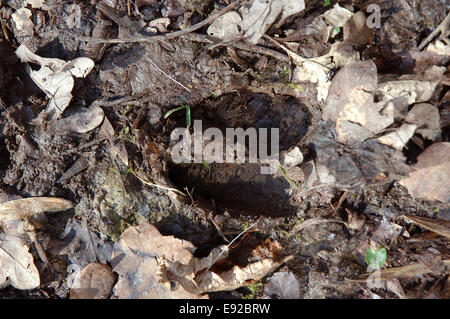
[167, 36]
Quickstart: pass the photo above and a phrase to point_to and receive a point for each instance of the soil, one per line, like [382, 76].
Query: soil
[227, 88]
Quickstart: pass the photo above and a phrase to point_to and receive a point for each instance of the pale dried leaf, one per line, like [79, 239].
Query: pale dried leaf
[427, 119]
[154, 266]
[337, 16]
[255, 19]
[81, 121]
[283, 285]
[411, 270]
[292, 158]
[226, 26]
[439, 226]
[35, 4]
[400, 137]
[55, 77]
[430, 176]
[315, 70]
[351, 98]
[26, 207]
[16, 264]
[95, 282]
[22, 21]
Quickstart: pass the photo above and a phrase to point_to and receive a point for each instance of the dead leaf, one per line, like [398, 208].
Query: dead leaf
[315, 70]
[283, 285]
[154, 266]
[27, 207]
[411, 270]
[22, 21]
[55, 77]
[430, 176]
[254, 19]
[356, 30]
[337, 16]
[351, 98]
[439, 226]
[81, 121]
[427, 119]
[354, 221]
[118, 149]
[226, 26]
[400, 137]
[81, 245]
[292, 158]
[95, 282]
[16, 264]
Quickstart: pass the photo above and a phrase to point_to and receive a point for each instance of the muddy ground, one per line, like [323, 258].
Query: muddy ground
[228, 87]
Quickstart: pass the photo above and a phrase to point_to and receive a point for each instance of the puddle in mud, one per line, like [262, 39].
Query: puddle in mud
[241, 188]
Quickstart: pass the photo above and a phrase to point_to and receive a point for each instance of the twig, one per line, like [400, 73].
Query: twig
[167, 36]
[297, 58]
[231, 243]
[157, 185]
[442, 27]
[169, 76]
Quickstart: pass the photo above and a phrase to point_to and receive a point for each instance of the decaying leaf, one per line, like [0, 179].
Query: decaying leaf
[356, 30]
[414, 88]
[94, 282]
[439, 226]
[283, 285]
[81, 121]
[430, 176]
[226, 26]
[351, 99]
[27, 207]
[352, 166]
[154, 266]
[426, 117]
[22, 21]
[400, 137]
[55, 77]
[254, 19]
[81, 245]
[16, 264]
[337, 16]
[315, 70]
[292, 158]
[411, 270]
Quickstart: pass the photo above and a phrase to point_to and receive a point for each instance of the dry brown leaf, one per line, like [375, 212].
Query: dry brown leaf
[55, 77]
[16, 264]
[82, 121]
[27, 207]
[400, 137]
[430, 176]
[351, 99]
[399, 272]
[426, 117]
[439, 226]
[254, 19]
[95, 282]
[151, 265]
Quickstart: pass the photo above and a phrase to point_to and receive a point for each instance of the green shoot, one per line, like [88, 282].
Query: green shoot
[326, 3]
[188, 113]
[376, 258]
[291, 182]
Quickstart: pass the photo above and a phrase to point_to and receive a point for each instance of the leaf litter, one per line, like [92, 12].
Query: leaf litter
[358, 136]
